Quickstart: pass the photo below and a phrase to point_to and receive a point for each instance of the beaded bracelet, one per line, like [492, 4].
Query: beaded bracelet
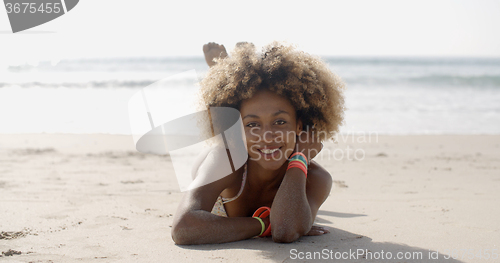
[299, 156]
[298, 160]
[301, 167]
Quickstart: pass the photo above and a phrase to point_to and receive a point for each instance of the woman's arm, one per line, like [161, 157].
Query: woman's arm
[298, 199]
[297, 203]
[195, 224]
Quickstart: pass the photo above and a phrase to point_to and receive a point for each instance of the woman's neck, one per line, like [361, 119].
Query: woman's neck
[264, 179]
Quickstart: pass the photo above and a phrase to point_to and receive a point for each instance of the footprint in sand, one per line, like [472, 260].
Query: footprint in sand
[340, 184]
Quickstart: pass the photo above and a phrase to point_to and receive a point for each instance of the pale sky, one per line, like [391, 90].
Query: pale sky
[112, 28]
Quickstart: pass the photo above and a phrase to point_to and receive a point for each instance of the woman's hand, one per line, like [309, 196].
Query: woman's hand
[308, 145]
[317, 231]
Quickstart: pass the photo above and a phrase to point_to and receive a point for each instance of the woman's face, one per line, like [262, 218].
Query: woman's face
[270, 127]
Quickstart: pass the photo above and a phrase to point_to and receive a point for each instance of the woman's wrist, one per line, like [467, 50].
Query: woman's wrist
[298, 160]
[262, 214]
[263, 225]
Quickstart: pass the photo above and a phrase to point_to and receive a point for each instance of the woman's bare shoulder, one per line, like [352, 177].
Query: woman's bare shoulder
[319, 183]
[318, 173]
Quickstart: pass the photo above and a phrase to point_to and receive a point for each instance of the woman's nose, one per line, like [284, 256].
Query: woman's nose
[268, 134]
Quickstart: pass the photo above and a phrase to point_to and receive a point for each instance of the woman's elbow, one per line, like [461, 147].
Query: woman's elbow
[285, 231]
[181, 234]
[178, 236]
[285, 237]
[283, 234]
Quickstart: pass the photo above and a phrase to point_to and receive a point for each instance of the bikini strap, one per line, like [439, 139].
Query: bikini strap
[227, 200]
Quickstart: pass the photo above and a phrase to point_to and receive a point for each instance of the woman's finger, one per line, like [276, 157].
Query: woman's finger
[317, 231]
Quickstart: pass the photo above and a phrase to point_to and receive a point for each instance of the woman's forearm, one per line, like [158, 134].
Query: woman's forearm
[202, 227]
[290, 213]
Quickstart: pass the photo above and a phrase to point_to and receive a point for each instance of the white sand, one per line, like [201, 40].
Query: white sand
[74, 198]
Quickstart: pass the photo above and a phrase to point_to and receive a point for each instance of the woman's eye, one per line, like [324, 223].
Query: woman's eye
[280, 122]
[252, 124]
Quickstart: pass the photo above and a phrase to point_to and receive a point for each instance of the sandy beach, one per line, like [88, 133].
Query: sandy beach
[80, 198]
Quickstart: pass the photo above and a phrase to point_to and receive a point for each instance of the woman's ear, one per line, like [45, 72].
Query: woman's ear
[299, 126]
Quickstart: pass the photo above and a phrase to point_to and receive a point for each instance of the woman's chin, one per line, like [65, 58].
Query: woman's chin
[271, 164]
[271, 161]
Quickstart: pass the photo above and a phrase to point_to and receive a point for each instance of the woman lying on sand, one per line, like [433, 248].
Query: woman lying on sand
[289, 102]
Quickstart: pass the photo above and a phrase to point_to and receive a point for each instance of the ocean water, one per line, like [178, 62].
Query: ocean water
[383, 95]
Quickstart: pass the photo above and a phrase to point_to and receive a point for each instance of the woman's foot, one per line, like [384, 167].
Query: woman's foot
[241, 44]
[213, 50]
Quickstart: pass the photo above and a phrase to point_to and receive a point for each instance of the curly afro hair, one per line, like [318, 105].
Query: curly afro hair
[305, 80]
